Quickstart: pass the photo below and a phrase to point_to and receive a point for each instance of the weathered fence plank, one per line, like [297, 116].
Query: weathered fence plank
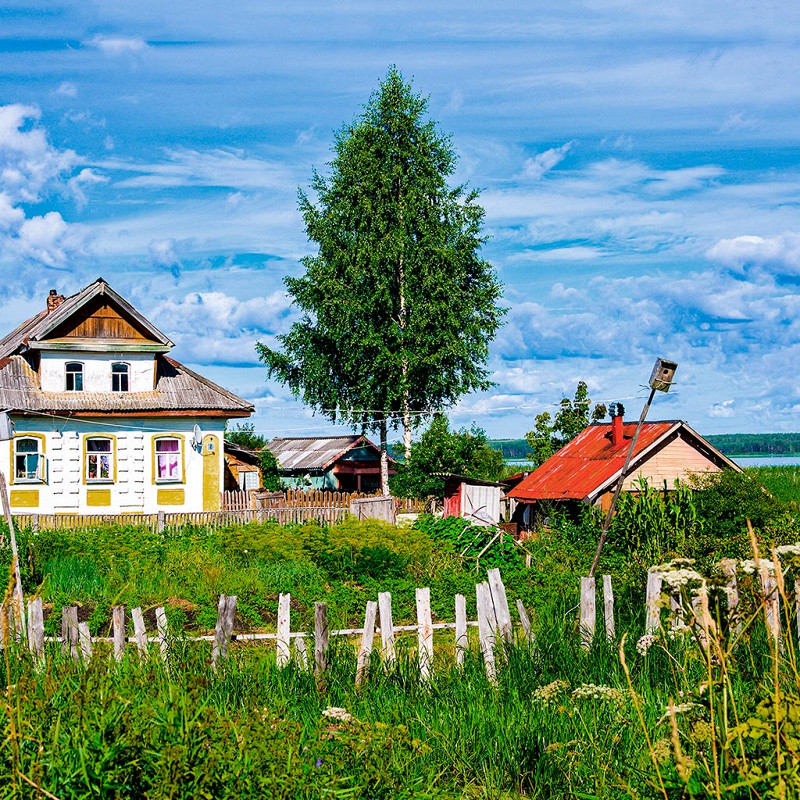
[367, 640]
[226, 611]
[462, 642]
[321, 639]
[653, 602]
[300, 654]
[387, 626]
[69, 631]
[424, 633]
[85, 637]
[487, 628]
[500, 604]
[588, 612]
[139, 632]
[608, 608]
[118, 620]
[284, 630]
[769, 588]
[525, 621]
[36, 628]
[163, 634]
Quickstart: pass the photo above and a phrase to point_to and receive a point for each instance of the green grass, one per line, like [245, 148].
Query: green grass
[783, 482]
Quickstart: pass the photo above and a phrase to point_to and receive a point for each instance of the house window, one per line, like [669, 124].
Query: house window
[120, 377]
[99, 459]
[74, 376]
[248, 480]
[168, 459]
[28, 459]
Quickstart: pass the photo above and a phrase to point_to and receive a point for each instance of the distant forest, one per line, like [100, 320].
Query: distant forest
[732, 444]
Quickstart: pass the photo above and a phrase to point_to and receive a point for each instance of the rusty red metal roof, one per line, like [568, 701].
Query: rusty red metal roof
[589, 462]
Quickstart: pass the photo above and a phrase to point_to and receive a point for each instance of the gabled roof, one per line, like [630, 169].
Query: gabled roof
[177, 389]
[590, 464]
[315, 452]
[37, 329]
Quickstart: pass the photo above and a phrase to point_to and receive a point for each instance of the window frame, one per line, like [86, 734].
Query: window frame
[40, 438]
[68, 373]
[126, 374]
[113, 458]
[181, 479]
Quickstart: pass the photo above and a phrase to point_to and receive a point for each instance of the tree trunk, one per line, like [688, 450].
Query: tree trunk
[406, 418]
[384, 459]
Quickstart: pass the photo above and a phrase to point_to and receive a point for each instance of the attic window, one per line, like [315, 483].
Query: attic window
[74, 374]
[120, 377]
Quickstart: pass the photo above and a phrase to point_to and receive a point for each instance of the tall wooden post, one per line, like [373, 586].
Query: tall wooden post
[19, 607]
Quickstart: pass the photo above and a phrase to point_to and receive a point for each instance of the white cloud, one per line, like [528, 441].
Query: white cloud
[780, 254]
[67, 89]
[543, 162]
[117, 45]
[163, 255]
[49, 240]
[85, 178]
[724, 409]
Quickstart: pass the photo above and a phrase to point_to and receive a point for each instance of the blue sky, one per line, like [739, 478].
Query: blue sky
[639, 165]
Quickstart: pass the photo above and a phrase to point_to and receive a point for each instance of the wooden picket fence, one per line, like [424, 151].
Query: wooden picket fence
[495, 630]
[203, 519]
[316, 498]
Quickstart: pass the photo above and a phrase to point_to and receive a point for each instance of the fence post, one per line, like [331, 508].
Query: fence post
[139, 632]
[36, 628]
[462, 642]
[588, 612]
[608, 608]
[771, 604]
[321, 638]
[653, 602]
[487, 629]
[424, 633]
[284, 630]
[367, 639]
[118, 617]
[729, 568]
[86, 640]
[500, 603]
[163, 633]
[69, 631]
[35, 523]
[161, 521]
[387, 626]
[226, 610]
[300, 654]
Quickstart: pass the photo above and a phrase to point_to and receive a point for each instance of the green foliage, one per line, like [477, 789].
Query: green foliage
[552, 433]
[245, 436]
[270, 471]
[462, 452]
[398, 307]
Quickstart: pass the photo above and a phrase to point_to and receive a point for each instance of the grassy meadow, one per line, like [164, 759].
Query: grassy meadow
[704, 710]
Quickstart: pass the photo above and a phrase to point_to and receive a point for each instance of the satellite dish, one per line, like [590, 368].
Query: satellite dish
[197, 436]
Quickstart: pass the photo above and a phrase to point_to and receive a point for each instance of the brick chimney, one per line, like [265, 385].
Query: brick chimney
[54, 300]
[617, 433]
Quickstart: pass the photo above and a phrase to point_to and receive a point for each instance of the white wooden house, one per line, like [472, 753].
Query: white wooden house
[103, 420]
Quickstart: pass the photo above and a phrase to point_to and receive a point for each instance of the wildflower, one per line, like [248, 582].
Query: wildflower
[662, 751]
[645, 643]
[339, 714]
[547, 694]
[319, 763]
[591, 691]
[749, 565]
[679, 708]
[702, 731]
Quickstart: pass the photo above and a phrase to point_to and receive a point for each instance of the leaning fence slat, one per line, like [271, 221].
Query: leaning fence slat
[608, 608]
[300, 654]
[588, 612]
[462, 642]
[424, 633]
[85, 640]
[118, 619]
[653, 602]
[367, 641]
[500, 604]
[525, 621]
[771, 598]
[36, 628]
[139, 632]
[486, 628]
[387, 626]
[226, 611]
[69, 631]
[321, 638]
[163, 633]
[284, 629]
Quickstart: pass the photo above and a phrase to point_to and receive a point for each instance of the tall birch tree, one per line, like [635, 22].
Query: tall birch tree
[398, 307]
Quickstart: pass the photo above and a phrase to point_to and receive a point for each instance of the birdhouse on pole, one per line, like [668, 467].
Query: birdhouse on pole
[662, 375]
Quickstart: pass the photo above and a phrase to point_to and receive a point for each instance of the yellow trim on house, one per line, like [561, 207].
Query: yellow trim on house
[170, 497]
[24, 498]
[113, 438]
[162, 481]
[98, 497]
[43, 439]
